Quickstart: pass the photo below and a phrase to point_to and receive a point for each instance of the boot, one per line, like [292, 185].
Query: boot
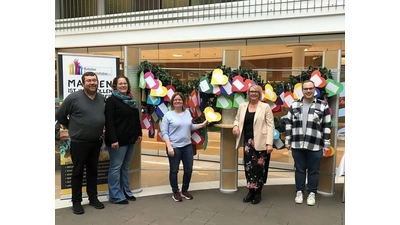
[249, 197]
[257, 197]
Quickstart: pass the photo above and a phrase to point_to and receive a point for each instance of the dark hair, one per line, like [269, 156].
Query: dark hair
[115, 82]
[88, 74]
[174, 96]
[307, 81]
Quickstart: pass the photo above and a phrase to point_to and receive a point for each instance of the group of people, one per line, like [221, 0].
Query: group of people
[89, 121]
[307, 135]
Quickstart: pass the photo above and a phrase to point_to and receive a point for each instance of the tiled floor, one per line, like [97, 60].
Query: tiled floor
[205, 176]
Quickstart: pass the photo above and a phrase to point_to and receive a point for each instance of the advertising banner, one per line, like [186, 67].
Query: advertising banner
[71, 68]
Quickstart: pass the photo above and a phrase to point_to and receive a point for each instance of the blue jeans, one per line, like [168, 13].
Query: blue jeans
[185, 154]
[118, 173]
[306, 160]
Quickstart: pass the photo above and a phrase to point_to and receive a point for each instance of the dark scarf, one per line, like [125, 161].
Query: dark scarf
[127, 99]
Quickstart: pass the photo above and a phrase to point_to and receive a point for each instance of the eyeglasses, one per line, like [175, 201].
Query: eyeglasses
[308, 89]
[122, 84]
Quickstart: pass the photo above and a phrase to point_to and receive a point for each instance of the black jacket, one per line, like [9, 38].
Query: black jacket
[122, 122]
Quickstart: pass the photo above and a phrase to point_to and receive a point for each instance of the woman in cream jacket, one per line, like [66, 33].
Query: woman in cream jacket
[254, 129]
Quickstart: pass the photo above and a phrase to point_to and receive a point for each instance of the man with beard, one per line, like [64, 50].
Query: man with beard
[307, 134]
[82, 113]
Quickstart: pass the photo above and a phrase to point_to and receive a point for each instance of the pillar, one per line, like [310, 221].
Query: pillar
[298, 57]
[228, 152]
[326, 186]
[131, 67]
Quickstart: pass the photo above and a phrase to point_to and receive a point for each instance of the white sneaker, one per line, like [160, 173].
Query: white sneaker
[311, 199]
[299, 197]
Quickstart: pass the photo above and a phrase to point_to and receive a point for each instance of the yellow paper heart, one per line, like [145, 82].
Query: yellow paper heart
[269, 93]
[218, 77]
[297, 91]
[161, 91]
[211, 116]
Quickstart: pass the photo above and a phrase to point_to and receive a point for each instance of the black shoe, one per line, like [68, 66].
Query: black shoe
[256, 199]
[130, 198]
[77, 208]
[123, 202]
[249, 197]
[96, 204]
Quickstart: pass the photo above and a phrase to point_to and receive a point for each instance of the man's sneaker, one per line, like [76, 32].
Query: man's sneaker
[177, 197]
[311, 199]
[299, 197]
[96, 204]
[77, 208]
[186, 195]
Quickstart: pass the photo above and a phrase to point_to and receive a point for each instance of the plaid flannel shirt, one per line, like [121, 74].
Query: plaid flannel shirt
[318, 129]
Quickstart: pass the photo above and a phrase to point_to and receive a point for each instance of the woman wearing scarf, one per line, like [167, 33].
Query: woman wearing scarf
[123, 129]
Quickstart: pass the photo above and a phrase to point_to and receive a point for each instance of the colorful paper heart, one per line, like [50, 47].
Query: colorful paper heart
[226, 89]
[276, 134]
[238, 85]
[216, 89]
[333, 88]
[151, 83]
[269, 93]
[146, 122]
[161, 91]
[298, 91]
[170, 91]
[154, 117]
[318, 80]
[162, 108]
[142, 81]
[153, 100]
[218, 77]
[288, 99]
[238, 99]
[194, 101]
[196, 138]
[205, 85]
[281, 96]
[210, 115]
[224, 102]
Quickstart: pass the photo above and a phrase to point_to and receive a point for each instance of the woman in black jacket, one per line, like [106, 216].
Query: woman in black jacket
[123, 129]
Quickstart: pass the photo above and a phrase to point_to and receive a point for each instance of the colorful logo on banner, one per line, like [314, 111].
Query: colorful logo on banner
[75, 68]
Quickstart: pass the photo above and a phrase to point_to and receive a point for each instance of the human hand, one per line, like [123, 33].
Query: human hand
[205, 123]
[288, 147]
[139, 138]
[171, 152]
[115, 145]
[235, 131]
[325, 150]
[269, 148]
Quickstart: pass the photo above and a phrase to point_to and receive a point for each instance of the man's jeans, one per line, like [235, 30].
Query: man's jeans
[186, 155]
[118, 173]
[307, 161]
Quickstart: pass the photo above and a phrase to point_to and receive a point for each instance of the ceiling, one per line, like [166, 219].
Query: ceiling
[193, 52]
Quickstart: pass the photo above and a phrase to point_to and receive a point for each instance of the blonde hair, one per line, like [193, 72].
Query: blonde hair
[258, 90]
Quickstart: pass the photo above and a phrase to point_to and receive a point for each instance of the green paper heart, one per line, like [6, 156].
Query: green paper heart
[238, 98]
[205, 85]
[333, 88]
[142, 82]
[224, 102]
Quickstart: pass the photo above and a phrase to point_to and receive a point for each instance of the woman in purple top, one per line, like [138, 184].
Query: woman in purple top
[176, 127]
